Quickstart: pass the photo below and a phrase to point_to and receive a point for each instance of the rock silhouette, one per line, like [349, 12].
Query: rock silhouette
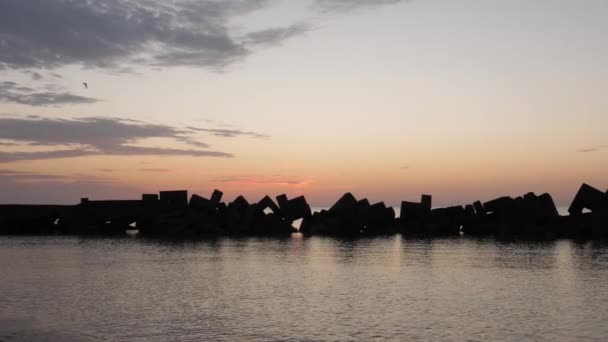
[171, 213]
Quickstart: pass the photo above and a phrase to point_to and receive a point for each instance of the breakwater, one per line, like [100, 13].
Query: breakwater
[173, 213]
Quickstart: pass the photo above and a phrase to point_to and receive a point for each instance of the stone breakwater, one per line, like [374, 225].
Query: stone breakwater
[172, 213]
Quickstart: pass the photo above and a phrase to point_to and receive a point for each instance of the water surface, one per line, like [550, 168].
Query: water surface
[133, 289]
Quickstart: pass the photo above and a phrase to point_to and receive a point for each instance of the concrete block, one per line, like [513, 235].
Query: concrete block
[175, 199]
[589, 198]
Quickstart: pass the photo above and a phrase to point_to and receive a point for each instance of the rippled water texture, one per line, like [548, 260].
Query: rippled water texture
[298, 289]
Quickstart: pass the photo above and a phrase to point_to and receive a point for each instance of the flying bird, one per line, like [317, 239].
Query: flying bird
[86, 86]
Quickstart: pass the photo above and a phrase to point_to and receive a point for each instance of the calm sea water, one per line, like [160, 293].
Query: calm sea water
[299, 289]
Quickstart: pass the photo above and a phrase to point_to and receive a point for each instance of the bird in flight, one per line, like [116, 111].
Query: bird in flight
[86, 86]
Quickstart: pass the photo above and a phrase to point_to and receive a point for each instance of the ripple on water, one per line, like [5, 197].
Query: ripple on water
[383, 289]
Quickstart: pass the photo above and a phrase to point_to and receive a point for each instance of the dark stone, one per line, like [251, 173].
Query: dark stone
[267, 202]
[149, 197]
[469, 211]
[427, 202]
[545, 206]
[347, 204]
[293, 209]
[502, 205]
[175, 199]
[411, 211]
[239, 202]
[282, 201]
[364, 203]
[297, 208]
[216, 197]
[589, 198]
[479, 209]
[377, 218]
[201, 203]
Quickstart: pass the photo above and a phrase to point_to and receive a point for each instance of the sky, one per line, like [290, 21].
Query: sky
[387, 99]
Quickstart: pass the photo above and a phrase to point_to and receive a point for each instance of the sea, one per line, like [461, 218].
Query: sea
[297, 288]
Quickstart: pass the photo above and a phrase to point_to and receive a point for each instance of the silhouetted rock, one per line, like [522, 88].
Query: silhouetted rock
[479, 209]
[377, 219]
[171, 214]
[500, 206]
[282, 201]
[411, 211]
[469, 211]
[427, 202]
[347, 204]
[175, 199]
[589, 198]
[201, 203]
[268, 203]
[414, 216]
[216, 197]
[149, 197]
[346, 217]
[294, 209]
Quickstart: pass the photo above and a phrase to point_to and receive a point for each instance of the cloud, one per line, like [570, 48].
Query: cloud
[230, 133]
[593, 149]
[36, 76]
[276, 180]
[348, 5]
[20, 176]
[154, 170]
[114, 33]
[15, 176]
[93, 136]
[11, 92]
[276, 36]
[124, 34]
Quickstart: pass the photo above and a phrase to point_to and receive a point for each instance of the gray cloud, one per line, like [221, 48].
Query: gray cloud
[111, 33]
[276, 179]
[28, 176]
[347, 5]
[593, 148]
[122, 34]
[15, 93]
[215, 123]
[36, 76]
[276, 36]
[94, 136]
[229, 133]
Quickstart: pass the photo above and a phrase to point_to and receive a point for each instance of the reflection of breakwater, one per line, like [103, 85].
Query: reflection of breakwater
[171, 213]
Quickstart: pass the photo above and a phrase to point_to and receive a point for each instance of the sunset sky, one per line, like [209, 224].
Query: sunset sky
[388, 99]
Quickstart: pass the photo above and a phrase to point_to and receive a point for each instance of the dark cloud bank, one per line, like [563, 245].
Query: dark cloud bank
[102, 136]
[110, 33]
[15, 93]
[41, 35]
[46, 34]
[122, 35]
